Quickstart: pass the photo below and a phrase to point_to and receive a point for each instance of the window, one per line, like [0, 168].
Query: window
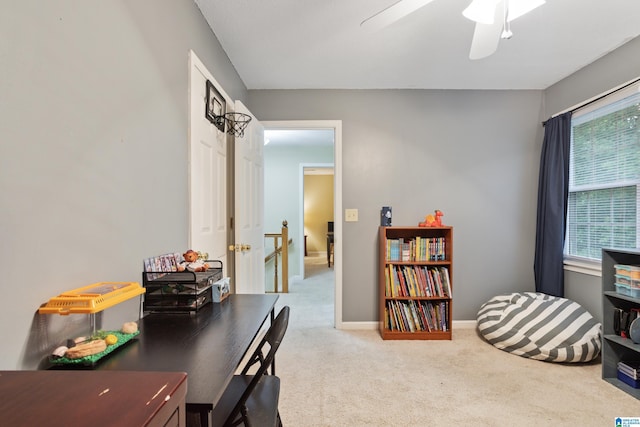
[604, 176]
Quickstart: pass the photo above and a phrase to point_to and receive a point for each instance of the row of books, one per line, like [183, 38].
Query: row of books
[416, 249]
[629, 373]
[157, 265]
[416, 316]
[632, 369]
[163, 263]
[417, 281]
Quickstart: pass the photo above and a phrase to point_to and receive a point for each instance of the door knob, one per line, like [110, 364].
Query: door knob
[240, 247]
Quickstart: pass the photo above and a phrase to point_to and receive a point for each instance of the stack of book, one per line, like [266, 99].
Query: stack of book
[629, 373]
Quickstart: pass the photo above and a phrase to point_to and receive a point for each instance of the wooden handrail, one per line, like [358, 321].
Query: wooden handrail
[284, 251]
[276, 251]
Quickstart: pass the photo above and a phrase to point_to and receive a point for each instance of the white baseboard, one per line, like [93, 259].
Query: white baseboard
[369, 326]
[464, 324]
[360, 325]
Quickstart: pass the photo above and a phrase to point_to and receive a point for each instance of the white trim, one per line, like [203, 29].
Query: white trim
[464, 324]
[584, 267]
[194, 61]
[363, 326]
[336, 125]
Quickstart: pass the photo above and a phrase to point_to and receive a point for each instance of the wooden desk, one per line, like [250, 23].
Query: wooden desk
[208, 346]
[99, 399]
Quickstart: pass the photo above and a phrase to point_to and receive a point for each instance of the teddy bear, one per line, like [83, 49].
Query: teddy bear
[192, 263]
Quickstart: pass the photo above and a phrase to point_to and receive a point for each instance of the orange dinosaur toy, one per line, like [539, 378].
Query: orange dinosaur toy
[432, 220]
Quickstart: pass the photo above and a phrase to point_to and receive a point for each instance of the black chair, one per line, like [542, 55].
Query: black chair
[329, 242]
[252, 399]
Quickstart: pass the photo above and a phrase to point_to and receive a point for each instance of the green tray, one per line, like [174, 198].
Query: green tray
[95, 358]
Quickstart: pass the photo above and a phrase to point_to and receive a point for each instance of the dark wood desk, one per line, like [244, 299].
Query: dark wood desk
[99, 399]
[208, 346]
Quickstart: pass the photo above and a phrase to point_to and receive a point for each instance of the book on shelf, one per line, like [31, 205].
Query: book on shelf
[416, 249]
[417, 281]
[407, 314]
[630, 368]
[406, 251]
[416, 316]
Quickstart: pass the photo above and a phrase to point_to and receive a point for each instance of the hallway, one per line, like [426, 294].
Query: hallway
[312, 299]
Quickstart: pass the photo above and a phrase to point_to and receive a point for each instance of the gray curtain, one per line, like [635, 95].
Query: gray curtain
[553, 191]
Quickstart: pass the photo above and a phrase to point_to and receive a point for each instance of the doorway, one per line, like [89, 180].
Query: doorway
[276, 209]
[317, 211]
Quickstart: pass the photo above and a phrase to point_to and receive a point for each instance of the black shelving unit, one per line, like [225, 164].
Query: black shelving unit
[180, 291]
[614, 347]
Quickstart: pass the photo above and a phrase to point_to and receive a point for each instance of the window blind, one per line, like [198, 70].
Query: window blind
[604, 175]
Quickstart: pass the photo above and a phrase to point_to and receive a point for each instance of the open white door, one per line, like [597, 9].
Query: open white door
[207, 157]
[249, 207]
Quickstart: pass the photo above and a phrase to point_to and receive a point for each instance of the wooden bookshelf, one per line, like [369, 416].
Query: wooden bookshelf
[415, 279]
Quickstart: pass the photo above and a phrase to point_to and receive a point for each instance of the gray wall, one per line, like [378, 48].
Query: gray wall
[610, 71]
[93, 149]
[472, 154]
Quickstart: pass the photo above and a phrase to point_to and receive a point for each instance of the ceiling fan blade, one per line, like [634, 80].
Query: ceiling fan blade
[486, 36]
[393, 13]
[485, 40]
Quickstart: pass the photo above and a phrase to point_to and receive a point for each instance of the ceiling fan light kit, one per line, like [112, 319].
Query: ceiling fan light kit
[483, 11]
[506, 33]
[492, 18]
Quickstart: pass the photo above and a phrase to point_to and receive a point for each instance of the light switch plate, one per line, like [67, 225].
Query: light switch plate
[351, 215]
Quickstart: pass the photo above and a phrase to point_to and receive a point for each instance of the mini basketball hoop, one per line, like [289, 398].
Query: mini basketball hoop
[237, 122]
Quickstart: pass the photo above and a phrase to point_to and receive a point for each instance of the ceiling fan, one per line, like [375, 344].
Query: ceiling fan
[492, 18]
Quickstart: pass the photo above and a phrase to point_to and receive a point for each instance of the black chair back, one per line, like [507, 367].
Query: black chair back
[273, 337]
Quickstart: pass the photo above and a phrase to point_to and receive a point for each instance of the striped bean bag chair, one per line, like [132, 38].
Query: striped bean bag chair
[541, 327]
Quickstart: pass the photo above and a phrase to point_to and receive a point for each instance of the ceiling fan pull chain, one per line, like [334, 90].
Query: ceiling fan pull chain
[506, 29]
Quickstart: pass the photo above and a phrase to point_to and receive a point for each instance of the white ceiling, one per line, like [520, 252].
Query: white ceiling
[313, 44]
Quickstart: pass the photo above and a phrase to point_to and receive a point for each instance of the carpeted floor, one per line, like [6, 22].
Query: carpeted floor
[353, 378]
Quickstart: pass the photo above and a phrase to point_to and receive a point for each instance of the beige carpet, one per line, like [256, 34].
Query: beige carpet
[336, 377]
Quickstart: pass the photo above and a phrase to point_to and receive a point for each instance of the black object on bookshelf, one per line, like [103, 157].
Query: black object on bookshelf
[415, 280]
[619, 353]
[385, 216]
[181, 291]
